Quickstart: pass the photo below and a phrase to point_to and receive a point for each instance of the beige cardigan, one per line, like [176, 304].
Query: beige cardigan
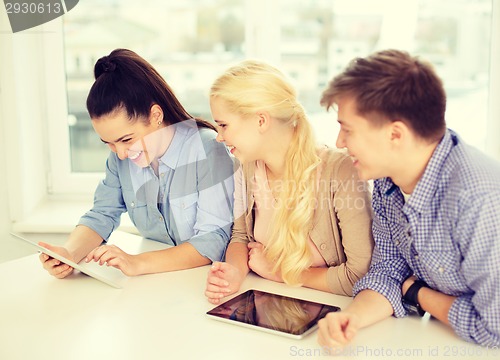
[342, 219]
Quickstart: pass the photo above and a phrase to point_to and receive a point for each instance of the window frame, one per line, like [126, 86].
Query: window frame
[62, 181]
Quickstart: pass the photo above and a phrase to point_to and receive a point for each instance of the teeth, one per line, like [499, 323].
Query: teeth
[135, 156]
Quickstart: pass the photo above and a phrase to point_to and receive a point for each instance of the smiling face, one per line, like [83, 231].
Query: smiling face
[368, 144]
[139, 140]
[240, 135]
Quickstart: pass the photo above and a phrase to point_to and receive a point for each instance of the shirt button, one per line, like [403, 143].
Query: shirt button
[398, 242]
[322, 246]
[441, 269]
[416, 257]
[132, 204]
[160, 218]
[162, 174]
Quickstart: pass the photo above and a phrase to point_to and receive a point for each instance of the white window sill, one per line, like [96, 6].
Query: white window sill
[61, 216]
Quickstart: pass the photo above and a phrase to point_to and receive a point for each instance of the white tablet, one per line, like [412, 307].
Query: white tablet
[107, 274]
[277, 314]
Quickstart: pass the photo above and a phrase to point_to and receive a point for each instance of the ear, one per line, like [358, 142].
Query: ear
[264, 121]
[399, 132]
[155, 115]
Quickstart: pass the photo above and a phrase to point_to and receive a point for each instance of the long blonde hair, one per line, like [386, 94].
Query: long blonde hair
[253, 86]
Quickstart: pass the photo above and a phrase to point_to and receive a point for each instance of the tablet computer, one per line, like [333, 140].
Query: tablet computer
[107, 274]
[272, 313]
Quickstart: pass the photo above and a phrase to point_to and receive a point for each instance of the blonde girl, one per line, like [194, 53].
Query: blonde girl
[302, 216]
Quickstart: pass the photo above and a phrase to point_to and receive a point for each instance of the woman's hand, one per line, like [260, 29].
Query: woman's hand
[223, 279]
[259, 264]
[55, 267]
[112, 255]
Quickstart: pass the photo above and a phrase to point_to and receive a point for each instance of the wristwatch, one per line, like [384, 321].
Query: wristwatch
[410, 299]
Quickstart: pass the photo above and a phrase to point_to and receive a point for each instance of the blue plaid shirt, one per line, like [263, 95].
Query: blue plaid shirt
[190, 201]
[447, 234]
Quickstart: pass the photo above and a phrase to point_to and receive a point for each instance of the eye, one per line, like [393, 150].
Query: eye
[222, 126]
[126, 140]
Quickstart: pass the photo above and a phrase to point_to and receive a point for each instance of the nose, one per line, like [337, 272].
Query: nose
[121, 151]
[219, 137]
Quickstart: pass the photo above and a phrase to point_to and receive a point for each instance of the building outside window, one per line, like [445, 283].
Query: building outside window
[191, 42]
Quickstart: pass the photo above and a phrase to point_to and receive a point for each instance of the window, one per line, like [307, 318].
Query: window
[191, 42]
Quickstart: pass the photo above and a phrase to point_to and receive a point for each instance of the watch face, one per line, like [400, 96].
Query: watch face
[413, 309]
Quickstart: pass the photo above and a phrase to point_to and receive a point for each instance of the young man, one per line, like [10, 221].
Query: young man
[436, 203]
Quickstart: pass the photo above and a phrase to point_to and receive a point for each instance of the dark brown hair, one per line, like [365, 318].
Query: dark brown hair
[123, 79]
[392, 85]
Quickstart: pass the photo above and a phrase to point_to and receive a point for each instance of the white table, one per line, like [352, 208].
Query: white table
[162, 316]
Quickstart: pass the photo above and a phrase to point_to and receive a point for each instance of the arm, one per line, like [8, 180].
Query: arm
[213, 170]
[434, 302]
[474, 314]
[388, 269]
[237, 256]
[316, 278]
[337, 329]
[351, 221]
[183, 256]
[225, 278]
[104, 217]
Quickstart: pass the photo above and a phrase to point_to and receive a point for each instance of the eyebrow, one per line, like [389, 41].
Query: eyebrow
[119, 139]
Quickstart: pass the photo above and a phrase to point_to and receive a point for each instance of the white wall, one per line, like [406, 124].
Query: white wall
[23, 184]
[492, 143]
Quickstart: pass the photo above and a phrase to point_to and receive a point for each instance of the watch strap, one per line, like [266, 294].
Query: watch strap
[411, 295]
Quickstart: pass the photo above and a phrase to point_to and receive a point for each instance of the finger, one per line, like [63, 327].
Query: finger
[224, 267]
[61, 271]
[213, 289]
[218, 280]
[43, 257]
[48, 246]
[92, 255]
[324, 338]
[350, 329]
[217, 290]
[321, 339]
[255, 245]
[97, 253]
[109, 256]
[214, 295]
[216, 266]
[51, 263]
[336, 326]
[214, 301]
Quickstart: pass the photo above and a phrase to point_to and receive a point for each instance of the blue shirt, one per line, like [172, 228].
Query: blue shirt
[447, 234]
[190, 201]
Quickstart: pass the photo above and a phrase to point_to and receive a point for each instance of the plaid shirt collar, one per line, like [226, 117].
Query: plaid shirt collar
[426, 187]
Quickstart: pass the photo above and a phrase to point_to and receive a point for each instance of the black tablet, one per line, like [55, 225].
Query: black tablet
[277, 314]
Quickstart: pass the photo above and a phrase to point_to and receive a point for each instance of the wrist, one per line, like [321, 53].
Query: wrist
[410, 298]
[139, 264]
